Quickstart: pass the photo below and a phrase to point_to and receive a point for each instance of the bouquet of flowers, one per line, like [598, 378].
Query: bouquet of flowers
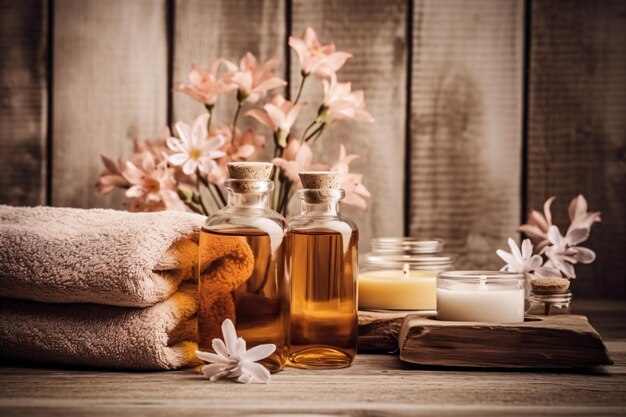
[554, 254]
[180, 172]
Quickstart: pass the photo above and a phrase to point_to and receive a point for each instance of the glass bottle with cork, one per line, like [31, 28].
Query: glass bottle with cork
[322, 264]
[241, 266]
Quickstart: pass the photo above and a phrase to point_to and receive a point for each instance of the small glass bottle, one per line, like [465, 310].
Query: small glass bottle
[322, 262]
[549, 297]
[241, 266]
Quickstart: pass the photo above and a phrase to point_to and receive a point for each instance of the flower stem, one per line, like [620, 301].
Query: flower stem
[304, 77]
[239, 106]
[317, 132]
[309, 127]
[219, 193]
[209, 108]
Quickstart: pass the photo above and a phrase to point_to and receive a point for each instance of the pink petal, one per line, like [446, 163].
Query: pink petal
[270, 83]
[262, 117]
[584, 255]
[546, 209]
[577, 236]
[135, 191]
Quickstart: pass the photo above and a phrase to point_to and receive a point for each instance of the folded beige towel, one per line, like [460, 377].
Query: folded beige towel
[154, 338]
[65, 255]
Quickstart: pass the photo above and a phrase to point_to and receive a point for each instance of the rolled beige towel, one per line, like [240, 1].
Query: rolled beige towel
[66, 255]
[154, 338]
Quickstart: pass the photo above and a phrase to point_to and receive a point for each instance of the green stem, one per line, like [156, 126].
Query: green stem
[209, 108]
[304, 76]
[317, 132]
[303, 138]
[239, 106]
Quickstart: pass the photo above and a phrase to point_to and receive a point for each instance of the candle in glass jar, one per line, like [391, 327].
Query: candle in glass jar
[395, 289]
[483, 296]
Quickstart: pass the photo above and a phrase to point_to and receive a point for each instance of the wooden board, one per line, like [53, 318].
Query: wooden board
[110, 86]
[577, 129]
[565, 341]
[378, 331]
[23, 107]
[375, 33]
[207, 30]
[466, 125]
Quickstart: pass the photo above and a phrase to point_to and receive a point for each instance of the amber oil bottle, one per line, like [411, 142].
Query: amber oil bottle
[322, 264]
[241, 271]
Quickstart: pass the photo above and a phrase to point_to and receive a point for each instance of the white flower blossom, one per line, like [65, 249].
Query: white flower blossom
[563, 253]
[194, 150]
[232, 360]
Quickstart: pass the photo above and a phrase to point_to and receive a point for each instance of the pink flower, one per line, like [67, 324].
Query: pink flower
[352, 185]
[252, 80]
[194, 150]
[538, 224]
[563, 253]
[205, 86]
[315, 58]
[340, 102]
[243, 148]
[295, 158]
[279, 115]
[524, 262]
[112, 176]
[578, 215]
[152, 186]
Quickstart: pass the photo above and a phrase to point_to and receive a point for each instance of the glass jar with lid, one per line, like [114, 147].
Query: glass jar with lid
[400, 273]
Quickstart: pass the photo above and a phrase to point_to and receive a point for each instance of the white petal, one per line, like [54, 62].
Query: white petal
[534, 263]
[515, 251]
[554, 236]
[584, 255]
[576, 236]
[177, 158]
[259, 352]
[230, 336]
[219, 347]
[184, 132]
[241, 348]
[190, 166]
[212, 369]
[175, 144]
[512, 263]
[245, 378]
[212, 357]
[257, 371]
[527, 249]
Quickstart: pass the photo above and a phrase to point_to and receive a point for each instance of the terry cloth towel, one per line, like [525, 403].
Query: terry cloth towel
[66, 255]
[154, 338]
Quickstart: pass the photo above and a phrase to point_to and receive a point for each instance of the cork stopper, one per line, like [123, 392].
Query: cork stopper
[250, 170]
[549, 285]
[321, 180]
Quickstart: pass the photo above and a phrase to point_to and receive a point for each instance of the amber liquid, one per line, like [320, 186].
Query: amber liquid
[323, 298]
[251, 291]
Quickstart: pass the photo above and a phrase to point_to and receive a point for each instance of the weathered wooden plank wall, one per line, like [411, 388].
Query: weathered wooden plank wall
[23, 101]
[450, 155]
[110, 86]
[466, 118]
[577, 126]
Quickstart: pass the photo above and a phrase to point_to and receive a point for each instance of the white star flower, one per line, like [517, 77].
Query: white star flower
[232, 360]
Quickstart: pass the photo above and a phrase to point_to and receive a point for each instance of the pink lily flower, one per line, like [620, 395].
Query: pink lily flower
[340, 102]
[296, 157]
[243, 148]
[279, 115]
[563, 253]
[252, 80]
[152, 186]
[315, 58]
[112, 176]
[352, 182]
[204, 84]
[538, 224]
[578, 215]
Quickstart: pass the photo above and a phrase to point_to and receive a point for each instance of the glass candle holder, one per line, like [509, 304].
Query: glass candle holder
[549, 303]
[482, 296]
[400, 274]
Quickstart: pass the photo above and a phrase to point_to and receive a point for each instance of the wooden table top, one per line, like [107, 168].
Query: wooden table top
[376, 385]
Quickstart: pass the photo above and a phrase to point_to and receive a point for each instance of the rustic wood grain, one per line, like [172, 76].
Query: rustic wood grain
[466, 124]
[566, 341]
[577, 129]
[375, 33]
[110, 82]
[378, 331]
[207, 30]
[376, 385]
[23, 107]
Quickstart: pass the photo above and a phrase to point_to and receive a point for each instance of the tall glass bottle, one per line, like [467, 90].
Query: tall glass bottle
[322, 264]
[241, 266]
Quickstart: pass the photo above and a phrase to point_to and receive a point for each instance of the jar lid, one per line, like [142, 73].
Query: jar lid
[416, 253]
[407, 245]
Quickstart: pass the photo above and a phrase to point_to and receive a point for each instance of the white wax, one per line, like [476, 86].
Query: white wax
[482, 303]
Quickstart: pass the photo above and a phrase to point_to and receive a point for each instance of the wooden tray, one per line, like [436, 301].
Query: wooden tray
[565, 341]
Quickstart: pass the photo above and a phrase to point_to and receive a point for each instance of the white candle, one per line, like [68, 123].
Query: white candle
[494, 297]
